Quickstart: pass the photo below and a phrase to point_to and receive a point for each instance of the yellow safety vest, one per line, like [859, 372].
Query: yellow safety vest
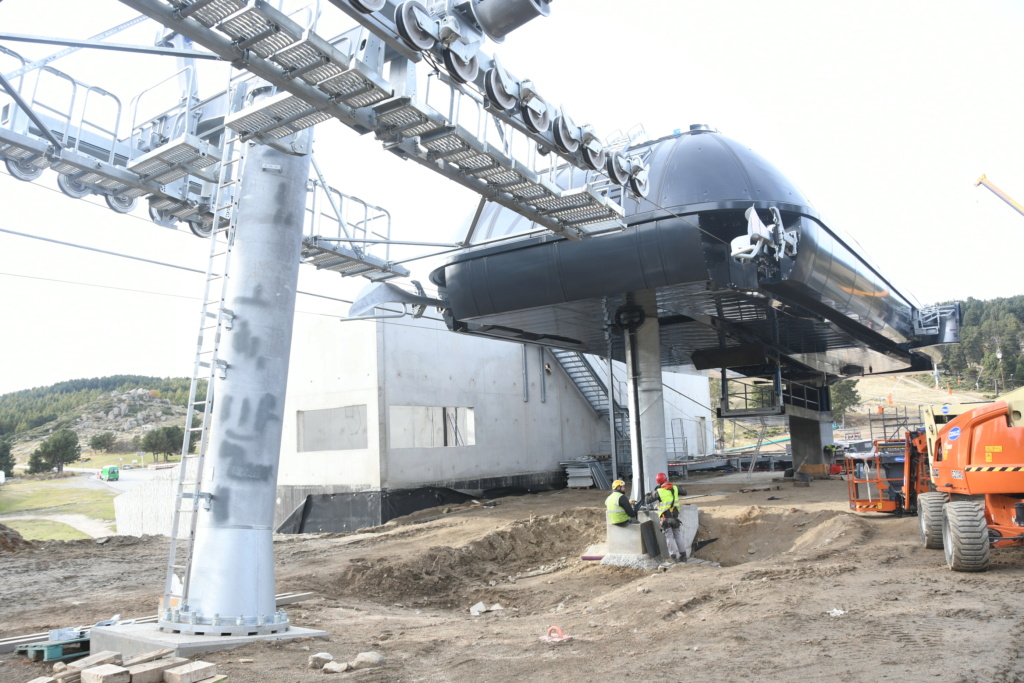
[615, 513]
[667, 499]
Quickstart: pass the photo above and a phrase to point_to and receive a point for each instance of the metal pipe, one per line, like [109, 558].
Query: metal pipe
[64, 53]
[117, 47]
[611, 412]
[636, 440]
[543, 376]
[398, 242]
[526, 378]
[648, 389]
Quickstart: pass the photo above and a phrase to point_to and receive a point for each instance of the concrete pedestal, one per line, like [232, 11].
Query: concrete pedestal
[625, 540]
[628, 540]
[135, 639]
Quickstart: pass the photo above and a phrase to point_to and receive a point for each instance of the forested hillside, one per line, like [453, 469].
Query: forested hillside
[24, 410]
[990, 329]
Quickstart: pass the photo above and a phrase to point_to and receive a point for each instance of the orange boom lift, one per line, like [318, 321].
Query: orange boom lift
[963, 474]
[889, 478]
[977, 481]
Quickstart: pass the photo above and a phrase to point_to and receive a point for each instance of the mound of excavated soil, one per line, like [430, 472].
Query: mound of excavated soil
[10, 540]
[757, 532]
[437, 574]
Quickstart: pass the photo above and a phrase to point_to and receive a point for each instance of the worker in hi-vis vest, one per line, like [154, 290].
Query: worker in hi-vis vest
[619, 509]
[667, 496]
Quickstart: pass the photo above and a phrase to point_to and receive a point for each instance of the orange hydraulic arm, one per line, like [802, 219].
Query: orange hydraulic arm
[999, 193]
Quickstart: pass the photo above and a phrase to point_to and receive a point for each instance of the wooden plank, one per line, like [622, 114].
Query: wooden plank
[193, 672]
[75, 669]
[106, 673]
[153, 672]
[147, 657]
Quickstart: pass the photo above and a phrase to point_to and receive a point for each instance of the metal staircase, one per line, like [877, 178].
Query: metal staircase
[213, 319]
[593, 388]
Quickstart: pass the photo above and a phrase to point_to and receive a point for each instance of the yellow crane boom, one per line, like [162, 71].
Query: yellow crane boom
[999, 193]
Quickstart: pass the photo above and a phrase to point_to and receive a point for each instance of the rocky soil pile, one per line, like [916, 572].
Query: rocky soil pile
[10, 540]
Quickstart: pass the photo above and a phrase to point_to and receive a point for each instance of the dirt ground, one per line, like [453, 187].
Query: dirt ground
[805, 590]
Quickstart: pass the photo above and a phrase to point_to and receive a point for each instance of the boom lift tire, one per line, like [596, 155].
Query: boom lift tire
[965, 536]
[929, 517]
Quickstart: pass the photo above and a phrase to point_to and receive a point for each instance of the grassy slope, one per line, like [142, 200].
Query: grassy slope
[45, 530]
[62, 496]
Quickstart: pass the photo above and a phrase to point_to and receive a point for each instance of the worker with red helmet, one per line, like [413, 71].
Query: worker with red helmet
[667, 496]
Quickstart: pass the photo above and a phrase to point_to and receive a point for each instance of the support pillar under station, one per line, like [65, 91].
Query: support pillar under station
[809, 436]
[646, 396]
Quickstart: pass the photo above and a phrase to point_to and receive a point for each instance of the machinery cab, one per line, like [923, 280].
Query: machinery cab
[937, 416]
[981, 451]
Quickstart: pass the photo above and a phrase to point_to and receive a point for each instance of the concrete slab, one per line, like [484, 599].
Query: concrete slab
[655, 519]
[134, 639]
[753, 478]
[689, 522]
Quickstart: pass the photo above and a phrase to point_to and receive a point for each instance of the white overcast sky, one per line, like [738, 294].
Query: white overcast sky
[883, 113]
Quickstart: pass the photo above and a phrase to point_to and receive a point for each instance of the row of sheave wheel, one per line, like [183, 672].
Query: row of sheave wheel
[67, 185]
[959, 528]
[418, 38]
[499, 93]
[78, 190]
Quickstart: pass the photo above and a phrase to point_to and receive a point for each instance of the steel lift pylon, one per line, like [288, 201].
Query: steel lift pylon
[471, 120]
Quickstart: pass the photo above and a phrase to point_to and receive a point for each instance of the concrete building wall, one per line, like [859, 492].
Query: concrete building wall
[365, 412]
[333, 382]
[512, 431]
[147, 508]
[688, 412]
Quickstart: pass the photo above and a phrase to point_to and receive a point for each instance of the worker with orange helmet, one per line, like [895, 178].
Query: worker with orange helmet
[619, 511]
[667, 496]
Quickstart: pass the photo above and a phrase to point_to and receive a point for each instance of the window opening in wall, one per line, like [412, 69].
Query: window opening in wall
[331, 429]
[431, 426]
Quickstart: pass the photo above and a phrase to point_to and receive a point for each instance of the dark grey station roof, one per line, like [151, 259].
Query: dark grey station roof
[824, 311]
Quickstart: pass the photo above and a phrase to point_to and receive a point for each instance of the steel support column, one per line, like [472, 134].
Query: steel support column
[809, 437]
[646, 408]
[233, 562]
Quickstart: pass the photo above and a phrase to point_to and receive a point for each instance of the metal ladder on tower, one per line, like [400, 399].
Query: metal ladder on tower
[213, 319]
